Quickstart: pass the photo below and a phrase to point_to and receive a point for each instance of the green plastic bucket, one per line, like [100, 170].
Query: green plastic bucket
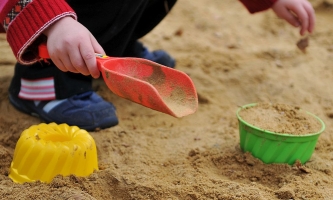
[271, 147]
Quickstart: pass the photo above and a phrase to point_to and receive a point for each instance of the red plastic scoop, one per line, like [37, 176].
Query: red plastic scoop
[147, 83]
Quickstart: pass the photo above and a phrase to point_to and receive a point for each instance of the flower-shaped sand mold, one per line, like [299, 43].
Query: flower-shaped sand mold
[46, 150]
[272, 147]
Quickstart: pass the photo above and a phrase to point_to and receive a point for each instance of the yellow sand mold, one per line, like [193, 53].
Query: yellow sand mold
[46, 150]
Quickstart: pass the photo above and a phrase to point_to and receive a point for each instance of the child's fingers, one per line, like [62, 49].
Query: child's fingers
[305, 22]
[97, 47]
[289, 17]
[77, 62]
[60, 65]
[60, 59]
[88, 55]
[303, 18]
[297, 13]
[311, 15]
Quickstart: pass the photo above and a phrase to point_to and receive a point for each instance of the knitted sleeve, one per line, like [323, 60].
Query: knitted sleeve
[5, 7]
[25, 27]
[14, 12]
[254, 6]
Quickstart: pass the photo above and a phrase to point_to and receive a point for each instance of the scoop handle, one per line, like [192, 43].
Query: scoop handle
[42, 51]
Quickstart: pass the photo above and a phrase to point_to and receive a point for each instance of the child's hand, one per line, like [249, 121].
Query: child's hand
[297, 13]
[72, 47]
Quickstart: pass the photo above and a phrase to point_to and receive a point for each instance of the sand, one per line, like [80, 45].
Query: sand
[234, 59]
[281, 119]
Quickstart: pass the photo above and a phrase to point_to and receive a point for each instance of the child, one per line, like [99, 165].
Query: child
[74, 30]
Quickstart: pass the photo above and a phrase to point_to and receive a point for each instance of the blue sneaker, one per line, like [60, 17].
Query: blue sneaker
[87, 110]
[158, 56]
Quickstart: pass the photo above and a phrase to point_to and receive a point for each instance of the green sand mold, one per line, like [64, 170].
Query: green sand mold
[271, 147]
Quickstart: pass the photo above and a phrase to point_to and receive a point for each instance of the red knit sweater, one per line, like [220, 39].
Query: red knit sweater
[27, 27]
[257, 5]
[5, 7]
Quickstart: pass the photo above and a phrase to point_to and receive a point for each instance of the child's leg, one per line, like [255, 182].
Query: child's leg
[43, 90]
[150, 15]
[153, 14]
[63, 85]
[119, 24]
